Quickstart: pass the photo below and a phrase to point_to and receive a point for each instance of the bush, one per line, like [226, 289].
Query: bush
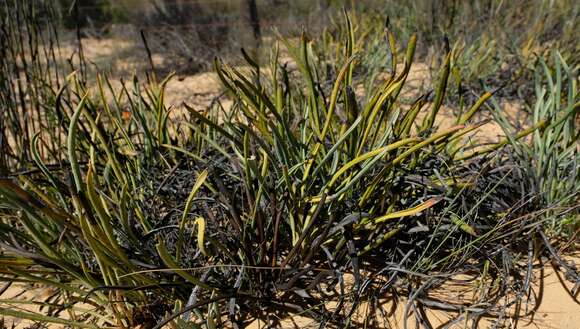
[302, 198]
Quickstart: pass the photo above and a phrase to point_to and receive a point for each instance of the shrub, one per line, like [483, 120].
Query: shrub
[301, 196]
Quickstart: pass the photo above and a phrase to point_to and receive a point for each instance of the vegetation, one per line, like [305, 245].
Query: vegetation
[305, 197]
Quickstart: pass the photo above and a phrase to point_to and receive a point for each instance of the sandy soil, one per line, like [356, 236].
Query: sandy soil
[557, 309]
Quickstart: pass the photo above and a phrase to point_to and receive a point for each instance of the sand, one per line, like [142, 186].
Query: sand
[557, 309]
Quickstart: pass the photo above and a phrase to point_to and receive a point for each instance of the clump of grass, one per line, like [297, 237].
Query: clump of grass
[550, 156]
[302, 198]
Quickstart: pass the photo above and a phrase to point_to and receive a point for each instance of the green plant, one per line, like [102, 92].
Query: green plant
[302, 198]
[550, 157]
[295, 158]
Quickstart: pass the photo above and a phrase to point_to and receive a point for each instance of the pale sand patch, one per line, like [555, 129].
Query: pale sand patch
[113, 54]
[557, 310]
[197, 90]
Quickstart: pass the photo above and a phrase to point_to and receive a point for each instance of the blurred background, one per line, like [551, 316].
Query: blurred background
[185, 35]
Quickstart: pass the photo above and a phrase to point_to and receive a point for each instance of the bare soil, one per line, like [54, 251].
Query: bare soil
[556, 309]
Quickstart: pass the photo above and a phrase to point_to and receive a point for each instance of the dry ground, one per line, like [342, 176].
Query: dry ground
[556, 310]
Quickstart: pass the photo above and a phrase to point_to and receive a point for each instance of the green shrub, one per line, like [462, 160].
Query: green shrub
[550, 157]
[265, 209]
